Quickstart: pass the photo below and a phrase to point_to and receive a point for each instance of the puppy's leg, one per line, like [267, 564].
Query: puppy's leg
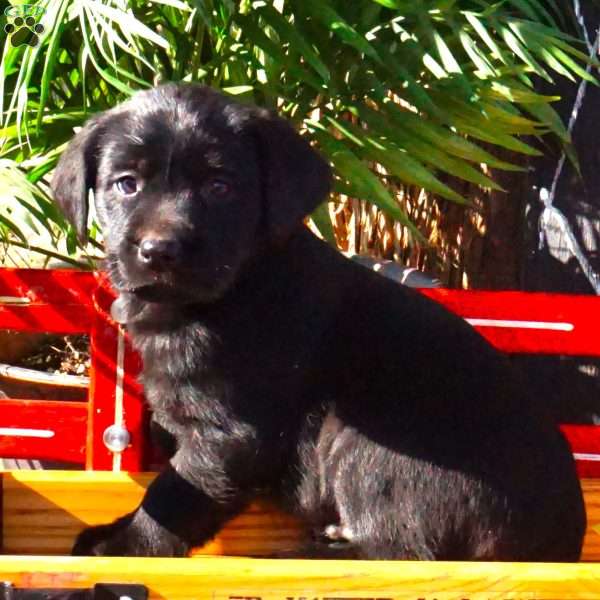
[164, 435]
[363, 498]
[179, 511]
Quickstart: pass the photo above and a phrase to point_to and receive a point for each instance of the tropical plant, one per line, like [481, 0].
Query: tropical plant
[390, 90]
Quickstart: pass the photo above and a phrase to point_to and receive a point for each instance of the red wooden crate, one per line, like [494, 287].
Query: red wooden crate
[72, 302]
[78, 302]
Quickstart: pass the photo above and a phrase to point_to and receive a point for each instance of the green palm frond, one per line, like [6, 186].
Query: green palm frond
[414, 88]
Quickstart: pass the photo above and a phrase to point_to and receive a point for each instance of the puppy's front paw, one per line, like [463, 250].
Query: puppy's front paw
[133, 535]
[104, 540]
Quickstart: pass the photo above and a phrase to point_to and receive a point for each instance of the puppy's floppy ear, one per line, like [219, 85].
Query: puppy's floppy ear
[296, 179]
[75, 175]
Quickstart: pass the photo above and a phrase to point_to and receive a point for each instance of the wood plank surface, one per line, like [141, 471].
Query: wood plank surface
[42, 512]
[212, 578]
[591, 545]
[528, 322]
[46, 429]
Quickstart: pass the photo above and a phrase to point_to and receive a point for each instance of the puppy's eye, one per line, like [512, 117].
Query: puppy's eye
[218, 187]
[127, 185]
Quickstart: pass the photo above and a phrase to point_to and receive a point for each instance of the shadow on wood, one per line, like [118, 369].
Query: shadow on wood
[43, 511]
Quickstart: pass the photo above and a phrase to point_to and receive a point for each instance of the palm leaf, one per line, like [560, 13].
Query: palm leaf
[424, 82]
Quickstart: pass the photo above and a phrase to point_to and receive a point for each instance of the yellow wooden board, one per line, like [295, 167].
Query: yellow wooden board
[591, 545]
[43, 511]
[214, 578]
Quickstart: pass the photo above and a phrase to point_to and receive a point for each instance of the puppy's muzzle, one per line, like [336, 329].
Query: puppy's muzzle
[159, 254]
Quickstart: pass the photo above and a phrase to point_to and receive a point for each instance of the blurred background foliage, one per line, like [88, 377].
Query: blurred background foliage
[415, 104]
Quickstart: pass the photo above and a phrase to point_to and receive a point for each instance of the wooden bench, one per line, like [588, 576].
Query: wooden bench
[73, 302]
[43, 510]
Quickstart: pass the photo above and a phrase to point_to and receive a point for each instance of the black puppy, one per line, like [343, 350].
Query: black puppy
[282, 369]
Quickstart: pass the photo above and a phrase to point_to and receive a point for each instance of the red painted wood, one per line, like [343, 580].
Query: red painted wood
[104, 343]
[135, 414]
[585, 443]
[59, 301]
[43, 286]
[583, 312]
[67, 421]
[101, 397]
[75, 302]
[65, 301]
[65, 318]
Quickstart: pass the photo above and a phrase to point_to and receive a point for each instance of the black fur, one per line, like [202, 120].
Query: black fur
[284, 370]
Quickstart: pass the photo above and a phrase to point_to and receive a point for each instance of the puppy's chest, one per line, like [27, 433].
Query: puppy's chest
[185, 402]
[180, 369]
[197, 371]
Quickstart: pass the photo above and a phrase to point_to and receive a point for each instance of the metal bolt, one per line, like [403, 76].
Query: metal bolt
[116, 438]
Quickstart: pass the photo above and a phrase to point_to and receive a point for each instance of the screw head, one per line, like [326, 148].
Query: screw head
[116, 438]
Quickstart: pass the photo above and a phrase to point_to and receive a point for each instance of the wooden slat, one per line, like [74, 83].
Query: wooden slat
[70, 301]
[255, 579]
[46, 318]
[104, 340]
[63, 422]
[578, 314]
[585, 444]
[49, 286]
[58, 301]
[66, 301]
[44, 510]
[591, 545]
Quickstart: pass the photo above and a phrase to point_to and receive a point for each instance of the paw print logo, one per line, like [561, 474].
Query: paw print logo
[24, 28]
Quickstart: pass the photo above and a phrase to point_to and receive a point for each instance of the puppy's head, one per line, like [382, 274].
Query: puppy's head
[188, 186]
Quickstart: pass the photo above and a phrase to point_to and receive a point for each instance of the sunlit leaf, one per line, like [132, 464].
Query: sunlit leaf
[392, 91]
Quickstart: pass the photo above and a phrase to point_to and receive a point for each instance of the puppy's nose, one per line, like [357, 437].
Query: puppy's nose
[158, 254]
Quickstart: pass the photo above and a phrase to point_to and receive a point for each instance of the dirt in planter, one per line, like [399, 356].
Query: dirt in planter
[69, 354]
[51, 354]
